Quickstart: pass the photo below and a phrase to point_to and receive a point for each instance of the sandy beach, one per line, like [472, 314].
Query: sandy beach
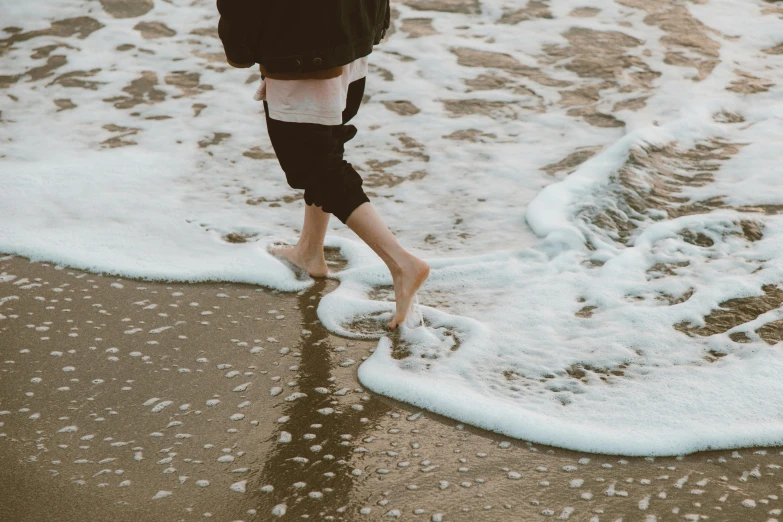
[596, 186]
[133, 400]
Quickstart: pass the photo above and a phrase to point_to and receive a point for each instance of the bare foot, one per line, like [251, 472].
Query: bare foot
[406, 282]
[313, 265]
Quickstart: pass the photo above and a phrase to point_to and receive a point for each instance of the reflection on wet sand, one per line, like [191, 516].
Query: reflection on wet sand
[311, 462]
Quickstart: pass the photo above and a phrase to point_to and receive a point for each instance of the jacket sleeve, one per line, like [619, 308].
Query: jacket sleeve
[237, 29]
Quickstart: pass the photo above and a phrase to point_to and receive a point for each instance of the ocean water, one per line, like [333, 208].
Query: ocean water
[597, 189]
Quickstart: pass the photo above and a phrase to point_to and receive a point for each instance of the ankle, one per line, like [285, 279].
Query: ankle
[306, 251]
[403, 264]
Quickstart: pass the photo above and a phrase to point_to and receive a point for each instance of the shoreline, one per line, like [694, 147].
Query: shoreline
[303, 425]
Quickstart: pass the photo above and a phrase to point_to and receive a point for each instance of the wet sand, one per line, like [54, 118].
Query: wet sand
[136, 400]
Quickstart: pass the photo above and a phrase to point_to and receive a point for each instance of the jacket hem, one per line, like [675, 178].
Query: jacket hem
[326, 59]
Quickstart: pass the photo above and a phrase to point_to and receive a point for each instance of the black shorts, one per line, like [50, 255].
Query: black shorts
[311, 155]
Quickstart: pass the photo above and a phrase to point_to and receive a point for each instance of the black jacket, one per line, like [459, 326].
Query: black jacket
[301, 35]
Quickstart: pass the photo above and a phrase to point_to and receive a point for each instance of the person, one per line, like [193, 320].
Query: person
[313, 59]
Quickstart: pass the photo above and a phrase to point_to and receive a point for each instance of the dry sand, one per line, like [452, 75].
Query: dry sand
[81, 438]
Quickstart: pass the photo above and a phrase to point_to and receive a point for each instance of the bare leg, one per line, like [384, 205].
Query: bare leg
[408, 271]
[308, 254]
